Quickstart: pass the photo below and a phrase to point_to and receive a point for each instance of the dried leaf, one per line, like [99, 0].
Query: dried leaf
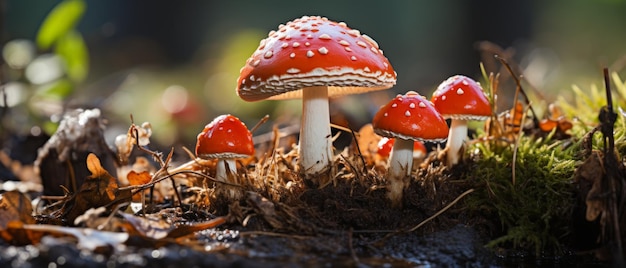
[368, 140]
[592, 171]
[15, 234]
[94, 166]
[88, 238]
[141, 178]
[15, 206]
[185, 230]
[15, 210]
[156, 228]
[100, 189]
[147, 227]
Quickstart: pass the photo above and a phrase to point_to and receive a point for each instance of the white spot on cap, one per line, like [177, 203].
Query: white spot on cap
[407, 113]
[385, 114]
[348, 49]
[354, 32]
[386, 65]
[284, 45]
[394, 105]
[366, 69]
[324, 36]
[231, 144]
[293, 70]
[443, 97]
[295, 44]
[343, 24]
[353, 58]
[310, 54]
[322, 50]
[292, 55]
[307, 44]
[262, 44]
[374, 50]
[252, 78]
[370, 40]
[412, 105]
[465, 82]
[268, 54]
[344, 42]
[421, 104]
[361, 43]
[460, 91]
[256, 63]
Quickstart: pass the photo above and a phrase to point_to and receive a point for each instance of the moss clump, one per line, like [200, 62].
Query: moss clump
[535, 209]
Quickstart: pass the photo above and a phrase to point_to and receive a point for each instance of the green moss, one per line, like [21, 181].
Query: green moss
[534, 205]
[534, 211]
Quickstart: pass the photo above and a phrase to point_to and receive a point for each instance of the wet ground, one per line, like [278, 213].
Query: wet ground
[459, 246]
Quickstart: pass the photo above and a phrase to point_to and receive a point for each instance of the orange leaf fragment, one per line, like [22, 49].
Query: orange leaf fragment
[141, 178]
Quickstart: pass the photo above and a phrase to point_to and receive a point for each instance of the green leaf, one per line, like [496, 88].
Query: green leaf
[58, 89]
[72, 49]
[59, 22]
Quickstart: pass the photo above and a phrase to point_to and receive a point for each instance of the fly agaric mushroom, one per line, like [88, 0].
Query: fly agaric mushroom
[407, 118]
[386, 144]
[461, 99]
[225, 139]
[314, 58]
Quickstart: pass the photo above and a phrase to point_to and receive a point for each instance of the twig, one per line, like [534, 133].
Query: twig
[607, 118]
[519, 88]
[516, 146]
[360, 153]
[441, 211]
[261, 122]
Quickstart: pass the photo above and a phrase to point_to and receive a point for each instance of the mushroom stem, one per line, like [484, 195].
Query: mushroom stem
[398, 174]
[315, 138]
[456, 137]
[222, 165]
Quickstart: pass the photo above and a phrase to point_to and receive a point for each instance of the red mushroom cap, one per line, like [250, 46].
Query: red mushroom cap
[460, 97]
[410, 117]
[225, 137]
[314, 51]
[386, 144]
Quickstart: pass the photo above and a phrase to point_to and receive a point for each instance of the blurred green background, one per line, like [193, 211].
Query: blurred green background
[175, 64]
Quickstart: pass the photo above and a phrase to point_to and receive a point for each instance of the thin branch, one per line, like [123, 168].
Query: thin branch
[519, 87]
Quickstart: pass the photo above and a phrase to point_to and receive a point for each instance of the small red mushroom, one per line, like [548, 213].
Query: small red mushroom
[386, 144]
[407, 118]
[461, 99]
[225, 138]
[314, 58]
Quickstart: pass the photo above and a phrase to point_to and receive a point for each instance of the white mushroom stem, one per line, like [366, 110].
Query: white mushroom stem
[456, 137]
[315, 139]
[400, 165]
[223, 165]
